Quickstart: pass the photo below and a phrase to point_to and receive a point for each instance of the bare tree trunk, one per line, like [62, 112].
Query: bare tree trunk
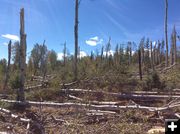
[76, 38]
[79, 49]
[108, 48]
[152, 63]
[102, 52]
[154, 54]
[22, 62]
[43, 66]
[172, 50]
[64, 54]
[130, 53]
[158, 52]
[165, 27]
[140, 68]
[174, 42]
[8, 68]
[142, 54]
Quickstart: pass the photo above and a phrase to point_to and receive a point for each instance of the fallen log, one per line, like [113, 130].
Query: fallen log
[177, 115]
[68, 84]
[7, 112]
[98, 112]
[94, 102]
[33, 87]
[95, 107]
[168, 68]
[42, 79]
[124, 95]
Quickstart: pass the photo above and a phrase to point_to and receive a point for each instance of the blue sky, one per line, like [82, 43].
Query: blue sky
[53, 21]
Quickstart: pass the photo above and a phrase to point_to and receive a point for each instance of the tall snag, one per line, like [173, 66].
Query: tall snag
[165, 30]
[8, 68]
[22, 58]
[174, 44]
[76, 38]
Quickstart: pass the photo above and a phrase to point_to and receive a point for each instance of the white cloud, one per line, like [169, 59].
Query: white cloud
[154, 43]
[111, 52]
[94, 41]
[11, 37]
[61, 55]
[133, 52]
[82, 54]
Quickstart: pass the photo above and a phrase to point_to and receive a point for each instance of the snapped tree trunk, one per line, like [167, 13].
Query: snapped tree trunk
[165, 27]
[76, 39]
[8, 68]
[22, 61]
[140, 68]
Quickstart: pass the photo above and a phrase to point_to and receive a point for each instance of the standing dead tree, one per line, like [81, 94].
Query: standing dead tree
[158, 52]
[174, 44]
[152, 63]
[64, 54]
[8, 68]
[140, 65]
[165, 30]
[154, 54]
[77, 2]
[22, 61]
[102, 52]
[172, 50]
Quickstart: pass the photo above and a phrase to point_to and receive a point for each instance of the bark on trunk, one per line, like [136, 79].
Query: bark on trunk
[172, 50]
[22, 61]
[140, 67]
[152, 63]
[175, 49]
[165, 27]
[76, 39]
[64, 54]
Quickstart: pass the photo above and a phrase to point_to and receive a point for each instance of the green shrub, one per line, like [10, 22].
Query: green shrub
[153, 81]
[14, 82]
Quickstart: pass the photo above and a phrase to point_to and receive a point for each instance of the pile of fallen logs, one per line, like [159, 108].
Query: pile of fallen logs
[143, 95]
[112, 106]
